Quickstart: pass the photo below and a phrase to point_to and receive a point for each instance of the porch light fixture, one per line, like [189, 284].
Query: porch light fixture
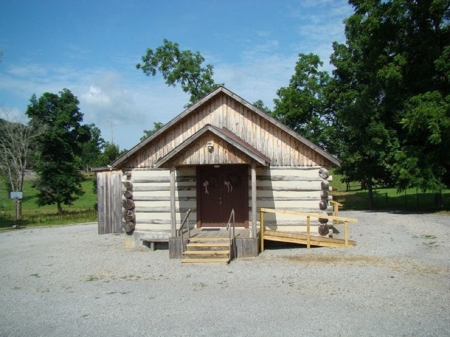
[210, 145]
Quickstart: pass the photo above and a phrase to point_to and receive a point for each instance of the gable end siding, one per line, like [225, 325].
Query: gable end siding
[224, 112]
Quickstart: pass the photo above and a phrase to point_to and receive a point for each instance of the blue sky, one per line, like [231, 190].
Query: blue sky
[92, 47]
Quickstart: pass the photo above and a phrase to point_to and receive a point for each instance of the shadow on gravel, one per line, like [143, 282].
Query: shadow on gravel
[398, 212]
[274, 245]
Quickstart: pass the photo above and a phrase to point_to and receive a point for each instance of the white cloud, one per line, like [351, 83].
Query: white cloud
[107, 96]
[122, 101]
[26, 70]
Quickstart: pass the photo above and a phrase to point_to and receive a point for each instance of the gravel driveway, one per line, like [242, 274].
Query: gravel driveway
[69, 281]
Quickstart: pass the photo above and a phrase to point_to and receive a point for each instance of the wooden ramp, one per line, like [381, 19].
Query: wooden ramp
[302, 239]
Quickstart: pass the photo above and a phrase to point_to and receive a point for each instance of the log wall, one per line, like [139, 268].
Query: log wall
[151, 195]
[296, 189]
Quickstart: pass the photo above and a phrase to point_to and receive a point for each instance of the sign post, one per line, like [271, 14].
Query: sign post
[17, 195]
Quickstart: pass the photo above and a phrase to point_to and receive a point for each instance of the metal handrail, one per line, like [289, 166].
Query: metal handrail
[185, 221]
[232, 216]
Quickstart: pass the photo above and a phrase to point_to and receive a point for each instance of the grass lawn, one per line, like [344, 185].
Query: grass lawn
[33, 215]
[385, 198]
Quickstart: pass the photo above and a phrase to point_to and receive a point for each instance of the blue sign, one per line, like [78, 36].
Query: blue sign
[16, 195]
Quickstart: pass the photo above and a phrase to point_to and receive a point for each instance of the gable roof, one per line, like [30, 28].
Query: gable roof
[224, 134]
[217, 91]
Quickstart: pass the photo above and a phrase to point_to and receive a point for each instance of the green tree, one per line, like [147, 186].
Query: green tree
[180, 66]
[16, 147]
[261, 106]
[391, 93]
[92, 149]
[302, 105]
[59, 147]
[110, 153]
[148, 133]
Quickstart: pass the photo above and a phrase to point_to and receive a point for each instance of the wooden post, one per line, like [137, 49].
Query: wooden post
[346, 233]
[173, 217]
[336, 211]
[17, 213]
[261, 229]
[308, 230]
[254, 233]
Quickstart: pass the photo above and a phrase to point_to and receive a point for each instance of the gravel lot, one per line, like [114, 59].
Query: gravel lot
[69, 281]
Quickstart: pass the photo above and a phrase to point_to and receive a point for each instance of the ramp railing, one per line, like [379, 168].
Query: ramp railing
[308, 216]
[336, 206]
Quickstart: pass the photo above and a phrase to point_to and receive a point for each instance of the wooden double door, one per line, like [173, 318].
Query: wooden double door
[219, 190]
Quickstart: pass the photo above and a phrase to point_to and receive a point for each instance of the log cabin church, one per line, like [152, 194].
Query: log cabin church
[219, 157]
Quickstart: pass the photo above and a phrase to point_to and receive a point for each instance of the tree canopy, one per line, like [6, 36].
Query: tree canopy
[302, 105]
[91, 150]
[148, 133]
[59, 147]
[179, 66]
[391, 92]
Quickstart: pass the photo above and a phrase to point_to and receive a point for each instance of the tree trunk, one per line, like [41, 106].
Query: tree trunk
[370, 189]
[19, 209]
[60, 210]
[438, 199]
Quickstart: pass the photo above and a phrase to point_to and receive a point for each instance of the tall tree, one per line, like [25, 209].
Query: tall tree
[110, 153]
[302, 105]
[92, 149]
[148, 133]
[391, 92]
[59, 146]
[16, 147]
[261, 106]
[179, 66]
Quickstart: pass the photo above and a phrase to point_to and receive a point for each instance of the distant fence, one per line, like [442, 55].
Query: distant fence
[411, 200]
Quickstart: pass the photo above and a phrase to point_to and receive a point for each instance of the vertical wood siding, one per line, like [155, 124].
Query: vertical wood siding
[109, 192]
[224, 111]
